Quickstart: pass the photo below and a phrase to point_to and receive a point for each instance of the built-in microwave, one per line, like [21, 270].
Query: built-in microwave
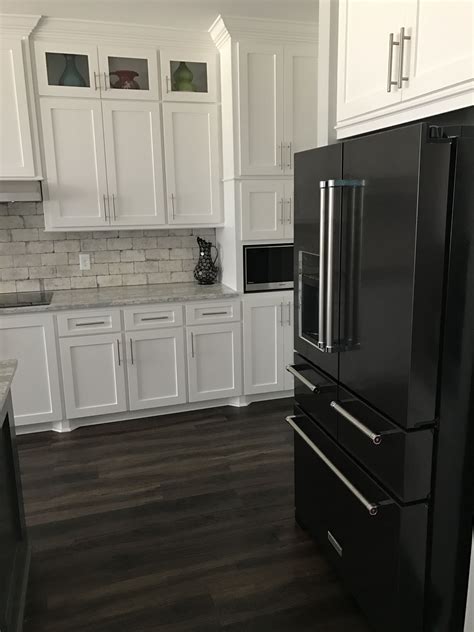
[268, 267]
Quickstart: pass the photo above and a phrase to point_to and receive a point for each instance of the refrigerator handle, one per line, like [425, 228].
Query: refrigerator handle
[322, 262]
[330, 267]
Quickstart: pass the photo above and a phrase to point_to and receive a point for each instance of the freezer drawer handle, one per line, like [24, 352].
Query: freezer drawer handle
[314, 388]
[372, 508]
[375, 438]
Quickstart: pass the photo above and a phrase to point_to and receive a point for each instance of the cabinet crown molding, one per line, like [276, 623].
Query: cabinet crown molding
[19, 25]
[283, 31]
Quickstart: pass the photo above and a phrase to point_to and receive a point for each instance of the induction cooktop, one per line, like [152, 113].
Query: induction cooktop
[25, 299]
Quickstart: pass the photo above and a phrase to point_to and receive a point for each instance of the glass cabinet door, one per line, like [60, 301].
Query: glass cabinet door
[128, 73]
[188, 77]
[67, 71]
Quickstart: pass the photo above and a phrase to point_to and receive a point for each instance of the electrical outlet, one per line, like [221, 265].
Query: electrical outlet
[84, 261]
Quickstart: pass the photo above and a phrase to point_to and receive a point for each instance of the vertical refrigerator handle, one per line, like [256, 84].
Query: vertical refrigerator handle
[330, 268]
[322, 262]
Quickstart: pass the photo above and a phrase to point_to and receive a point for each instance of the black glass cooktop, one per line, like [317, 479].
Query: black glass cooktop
[25, 299]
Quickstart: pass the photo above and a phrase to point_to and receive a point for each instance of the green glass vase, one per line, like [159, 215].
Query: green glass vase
[183, 78]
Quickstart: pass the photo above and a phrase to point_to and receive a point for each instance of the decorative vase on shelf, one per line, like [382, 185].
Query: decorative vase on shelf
[71, 75]
[126, 80]
[206, 270]
[183, 78]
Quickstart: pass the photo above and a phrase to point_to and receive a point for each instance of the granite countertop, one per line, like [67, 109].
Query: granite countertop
[128, 295]
[7, 371]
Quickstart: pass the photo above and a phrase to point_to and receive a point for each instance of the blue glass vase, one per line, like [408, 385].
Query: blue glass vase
[71, 75]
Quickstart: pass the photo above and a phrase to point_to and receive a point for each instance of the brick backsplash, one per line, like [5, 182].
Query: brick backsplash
[32, 259]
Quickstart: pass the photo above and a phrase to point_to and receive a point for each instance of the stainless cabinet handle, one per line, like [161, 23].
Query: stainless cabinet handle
[91, 324]
[314, 388]
[147, 318]
[289, 210]
[172, 205]
[403, 39]
[215, 313]
[113, 204]
[289, 164]
[132, 359]
[281, 210]
[192, 345]
[168, 90]
[372, 508]
[289, 314]
[118, 352]
[281, 314]
[391, 44]
[95, 81]
[281, 155]
[105, 197]
[330, 266]
[375, 438]
[105, 81]
[322, 262]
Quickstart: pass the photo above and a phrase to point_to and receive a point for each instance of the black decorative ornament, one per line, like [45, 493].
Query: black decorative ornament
[206, 270]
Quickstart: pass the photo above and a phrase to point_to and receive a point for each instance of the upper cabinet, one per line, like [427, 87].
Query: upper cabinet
[188, 76]
[399, 61]
[277, 105]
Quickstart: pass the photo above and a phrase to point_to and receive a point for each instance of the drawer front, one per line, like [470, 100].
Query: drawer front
[400, 460]
[85, 322]
[381, 557]
[153, 317]
[314, 393]
[212, 312]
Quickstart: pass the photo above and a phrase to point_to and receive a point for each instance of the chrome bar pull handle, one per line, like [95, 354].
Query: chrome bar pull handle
[281, 155]
[322, 262]
[105, 207]
[391, 44]
[375, 438]
[330, 267]
[95, 81]
[168, 90]
[289, 163]
[192, 344]
[172, 205]
[289, 314]
[289, 210]
[314, 388]
[403, 39]
[131, 352]
[281, 210]
[113, 204]
[281, 314]
[372, 508]
[118, 352]
[105, 81]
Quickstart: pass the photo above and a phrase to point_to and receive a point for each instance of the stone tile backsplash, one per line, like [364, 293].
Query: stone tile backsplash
[32, 259]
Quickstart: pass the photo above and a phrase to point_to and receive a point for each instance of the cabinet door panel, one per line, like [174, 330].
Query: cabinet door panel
[134, 162]
[192, 163]
[261, 109]
[35, 388]
[16, 148]
[176, 84]
[75, 163]
[128, 73]
[93, 375]
[263, 209]
[156, 373]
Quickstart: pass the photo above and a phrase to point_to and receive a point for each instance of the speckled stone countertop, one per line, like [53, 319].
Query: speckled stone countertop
[7, 371]
[128, 295]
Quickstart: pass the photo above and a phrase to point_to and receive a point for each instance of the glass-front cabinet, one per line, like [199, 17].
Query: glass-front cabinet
[128, 73]
[188, 76]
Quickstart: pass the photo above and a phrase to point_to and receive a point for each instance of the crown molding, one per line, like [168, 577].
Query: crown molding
[20, 25]
[225, 27]
[61, 29]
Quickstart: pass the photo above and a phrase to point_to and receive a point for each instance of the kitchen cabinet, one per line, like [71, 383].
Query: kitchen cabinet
[266, 209]
[93, 375]
[277, 105]
[128, 73]
[192, 164]
[30, 339]
[268, 342]
[156, 368]
[214, 361]
[188, 76]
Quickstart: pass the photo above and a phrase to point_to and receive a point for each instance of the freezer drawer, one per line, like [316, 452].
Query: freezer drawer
[377, 545]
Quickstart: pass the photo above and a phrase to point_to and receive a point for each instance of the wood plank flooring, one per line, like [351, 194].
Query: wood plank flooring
[180, 523]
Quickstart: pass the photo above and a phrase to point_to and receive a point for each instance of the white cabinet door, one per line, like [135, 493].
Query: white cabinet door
[156, 368]
[16, 148]
[191, 139]
[30, 339]
[75, 163]
[288, 343]
[301, 98]
[132, 135]
[440, 54]
[214, 361]
[128, 73]
[93, 375]
[261, 109]
[263, 343]
[188, 75]
[363, 55]
[264, 206]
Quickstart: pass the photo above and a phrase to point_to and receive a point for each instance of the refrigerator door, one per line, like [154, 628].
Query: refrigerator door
[317, 256]
[392, 270]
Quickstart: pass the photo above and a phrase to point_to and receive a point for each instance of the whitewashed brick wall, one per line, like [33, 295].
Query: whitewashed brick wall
[31, 259]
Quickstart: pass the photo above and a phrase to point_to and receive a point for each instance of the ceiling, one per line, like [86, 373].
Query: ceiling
[193, 14]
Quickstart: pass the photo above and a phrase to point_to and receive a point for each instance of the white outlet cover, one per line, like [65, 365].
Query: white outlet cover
[84, 261]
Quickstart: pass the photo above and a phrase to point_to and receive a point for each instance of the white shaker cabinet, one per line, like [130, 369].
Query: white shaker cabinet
[192, 164]
[93, 375]
[214, 361]
[266, 209]
[30, 339]
[156, 368]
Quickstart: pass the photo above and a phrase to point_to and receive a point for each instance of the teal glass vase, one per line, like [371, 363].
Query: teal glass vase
[71, 75]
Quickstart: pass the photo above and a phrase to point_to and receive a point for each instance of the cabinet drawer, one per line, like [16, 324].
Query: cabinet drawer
[314, 393]
[152, 317]
[400, 460]
[380, 555]
[212, 312]
[89, 322]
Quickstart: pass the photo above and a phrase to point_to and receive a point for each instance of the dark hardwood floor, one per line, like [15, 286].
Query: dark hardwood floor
[182, 523]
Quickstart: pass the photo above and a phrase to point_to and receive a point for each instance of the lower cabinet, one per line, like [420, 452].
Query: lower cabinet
[268, 342]
[30, 339]
[156, 371]
[214, 361]
[93, 375]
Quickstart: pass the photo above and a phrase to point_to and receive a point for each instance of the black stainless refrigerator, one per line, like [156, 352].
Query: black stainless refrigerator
[384, 344]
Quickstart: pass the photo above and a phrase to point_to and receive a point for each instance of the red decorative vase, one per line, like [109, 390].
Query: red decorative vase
[126, 80]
